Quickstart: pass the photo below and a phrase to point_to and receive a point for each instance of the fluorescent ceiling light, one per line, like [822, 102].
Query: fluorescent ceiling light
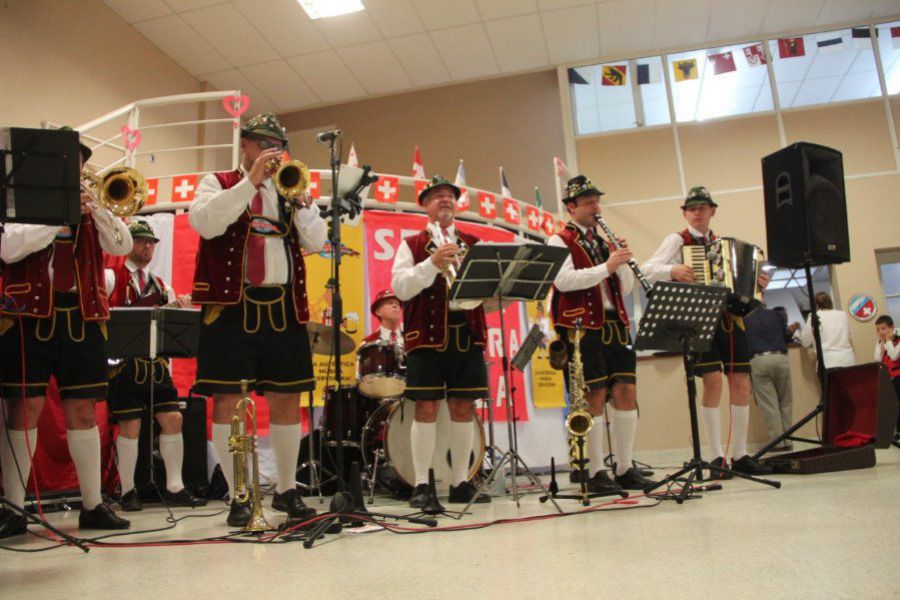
[319, 9]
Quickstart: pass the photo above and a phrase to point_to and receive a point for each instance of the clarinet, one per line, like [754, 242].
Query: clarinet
[631, 262]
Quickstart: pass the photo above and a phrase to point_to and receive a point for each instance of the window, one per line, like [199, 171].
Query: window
[889, 270]
[718, 82]
[788, 289]
[824, 67]
[889, 46]
[622, 95]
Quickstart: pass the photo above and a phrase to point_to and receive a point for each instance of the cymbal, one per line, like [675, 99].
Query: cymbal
[493, 304]
[322, 342]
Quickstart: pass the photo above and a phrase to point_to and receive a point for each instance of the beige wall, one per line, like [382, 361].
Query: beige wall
[514, 122]
[725, 155]
[70, 61]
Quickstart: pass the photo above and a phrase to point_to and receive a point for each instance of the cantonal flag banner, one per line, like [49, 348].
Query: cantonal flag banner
[722, 63]
[895, 37]
[862, 38]
[614, 74]
[791, 47]
[829, 43]
[755, 55]
[649, 73]
[685, 70]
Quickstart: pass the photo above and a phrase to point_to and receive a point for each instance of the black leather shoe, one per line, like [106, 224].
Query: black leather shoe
[462, 493]
[601, 483]
[634, 480]
[291, 503]
[748, 466]
[419, 497]
[101, 517]
[182, 498]
[11, 523]
[239, 514]
[130, 501]
[719, 461]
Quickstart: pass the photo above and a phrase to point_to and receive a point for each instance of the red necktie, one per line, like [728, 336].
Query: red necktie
[393, 336]
[63, 266]
[256, 245]
[142, 281]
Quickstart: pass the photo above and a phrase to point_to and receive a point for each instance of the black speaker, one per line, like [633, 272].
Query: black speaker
[806, 206]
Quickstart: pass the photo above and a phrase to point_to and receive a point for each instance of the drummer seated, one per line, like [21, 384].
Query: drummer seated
[389, 310]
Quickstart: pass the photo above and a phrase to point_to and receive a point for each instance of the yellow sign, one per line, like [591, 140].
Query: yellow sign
[548, 388]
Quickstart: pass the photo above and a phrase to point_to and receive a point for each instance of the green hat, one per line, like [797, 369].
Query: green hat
[698, 195]
[579, 186]
[265, 124]
[85, 151]
[436, 182]
[141, 228]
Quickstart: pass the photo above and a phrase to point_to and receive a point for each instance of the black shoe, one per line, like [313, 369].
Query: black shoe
[719, 461]
[129, 502]
[601, 483]
[239, 514]
[465, 491]
[101, 517]
[748, 466]
[182, 498]
[633, 479]
[11, 523]
[291, 503]
[420, 496]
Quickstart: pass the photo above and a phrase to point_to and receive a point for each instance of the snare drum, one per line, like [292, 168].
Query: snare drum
[357, 408]
[382, 373]
[385, 446]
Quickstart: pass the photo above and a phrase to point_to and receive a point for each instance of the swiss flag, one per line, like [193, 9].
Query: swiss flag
[183, 188]
[549, 224]
[533, 217]
[387, 189]
[152, 191]
[315, 184]
[487, 205]
[511, 211]
[418, 186]
[463, 202]
[722, 63]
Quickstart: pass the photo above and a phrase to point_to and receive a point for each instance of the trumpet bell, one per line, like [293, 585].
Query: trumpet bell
[122, 190]
[291, 179]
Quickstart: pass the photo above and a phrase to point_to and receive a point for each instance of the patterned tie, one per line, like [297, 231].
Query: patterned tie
[142, 281]
[63, 266]
[393, 336]
[256, 245]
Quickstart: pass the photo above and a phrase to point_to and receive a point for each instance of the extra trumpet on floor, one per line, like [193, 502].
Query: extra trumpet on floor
[242, 445]
[291, 177]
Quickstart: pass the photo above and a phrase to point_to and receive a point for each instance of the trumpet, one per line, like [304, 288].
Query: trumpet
[449, 271]
[291, 177]
[242, 444]
[122, 190]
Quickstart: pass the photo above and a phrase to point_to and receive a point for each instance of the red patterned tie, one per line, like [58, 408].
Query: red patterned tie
[256, 245]
[142, 282]
[393, 336]
[63, 266]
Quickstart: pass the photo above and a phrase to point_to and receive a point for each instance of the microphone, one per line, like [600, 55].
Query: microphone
[328, 136]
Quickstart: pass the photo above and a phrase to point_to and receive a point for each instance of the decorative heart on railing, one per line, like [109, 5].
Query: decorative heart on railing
[131, 137]
[236, 105]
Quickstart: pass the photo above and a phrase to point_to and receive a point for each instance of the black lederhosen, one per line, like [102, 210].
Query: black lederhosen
[728, 350]
[606, 356]
[63, 346]
[258, 339]
[129, 390]
[457, 371]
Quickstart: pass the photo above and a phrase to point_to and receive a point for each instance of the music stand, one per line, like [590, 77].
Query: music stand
[508, 271]
[683, 317]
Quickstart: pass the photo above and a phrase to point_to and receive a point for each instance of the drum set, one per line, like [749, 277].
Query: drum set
[376, 422]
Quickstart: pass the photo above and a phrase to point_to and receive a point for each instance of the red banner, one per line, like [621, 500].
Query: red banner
[384, 232]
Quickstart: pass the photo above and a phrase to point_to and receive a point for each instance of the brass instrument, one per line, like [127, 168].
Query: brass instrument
[122, 190]
[631, 262]
[449, 271]
[730, 263]
[579, 421]
[240, 445]
[291, 177]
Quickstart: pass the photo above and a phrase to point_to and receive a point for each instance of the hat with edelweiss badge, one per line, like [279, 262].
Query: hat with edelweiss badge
[141, 229]
[580, 186]
[436, 182]
[696, 196]
[265, 124]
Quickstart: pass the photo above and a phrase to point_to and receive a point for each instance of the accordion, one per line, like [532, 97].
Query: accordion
[730, 263]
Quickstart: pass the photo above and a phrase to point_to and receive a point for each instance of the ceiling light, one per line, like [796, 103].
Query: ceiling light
[319, 9]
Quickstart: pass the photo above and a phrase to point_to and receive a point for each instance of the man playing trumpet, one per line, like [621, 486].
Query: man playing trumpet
[251, 281]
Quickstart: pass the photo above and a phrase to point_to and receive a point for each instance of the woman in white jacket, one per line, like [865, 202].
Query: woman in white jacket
[835, 331]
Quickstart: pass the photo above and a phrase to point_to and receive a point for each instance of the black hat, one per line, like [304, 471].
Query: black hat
[140, 228]
[579, 186]
[436, 182]
[85, 151]
[265, 124]
[698, 195]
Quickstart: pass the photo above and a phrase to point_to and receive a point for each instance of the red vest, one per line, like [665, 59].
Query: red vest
[126, 294]
[28, 283]
[689, 240]
[219, 272]
[893, 366]
[586, 304]
[425, 314]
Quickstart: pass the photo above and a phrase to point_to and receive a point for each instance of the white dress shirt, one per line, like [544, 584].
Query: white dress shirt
[385, 336]
[659, 266]
[892, 349]
[214, 209]
[570, 279]
[408, 279]
[837, 350]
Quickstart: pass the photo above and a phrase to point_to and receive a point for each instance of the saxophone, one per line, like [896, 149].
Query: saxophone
[242, 444]
[579, 421]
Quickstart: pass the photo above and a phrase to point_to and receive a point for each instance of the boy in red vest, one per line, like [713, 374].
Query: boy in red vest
[129, 391]
[590, 287]
[57, 304]
[444, 342]
[729, 349]
[250, 279]
[887, 351]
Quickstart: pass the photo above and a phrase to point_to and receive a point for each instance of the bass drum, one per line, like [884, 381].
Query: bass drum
[386, 447]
